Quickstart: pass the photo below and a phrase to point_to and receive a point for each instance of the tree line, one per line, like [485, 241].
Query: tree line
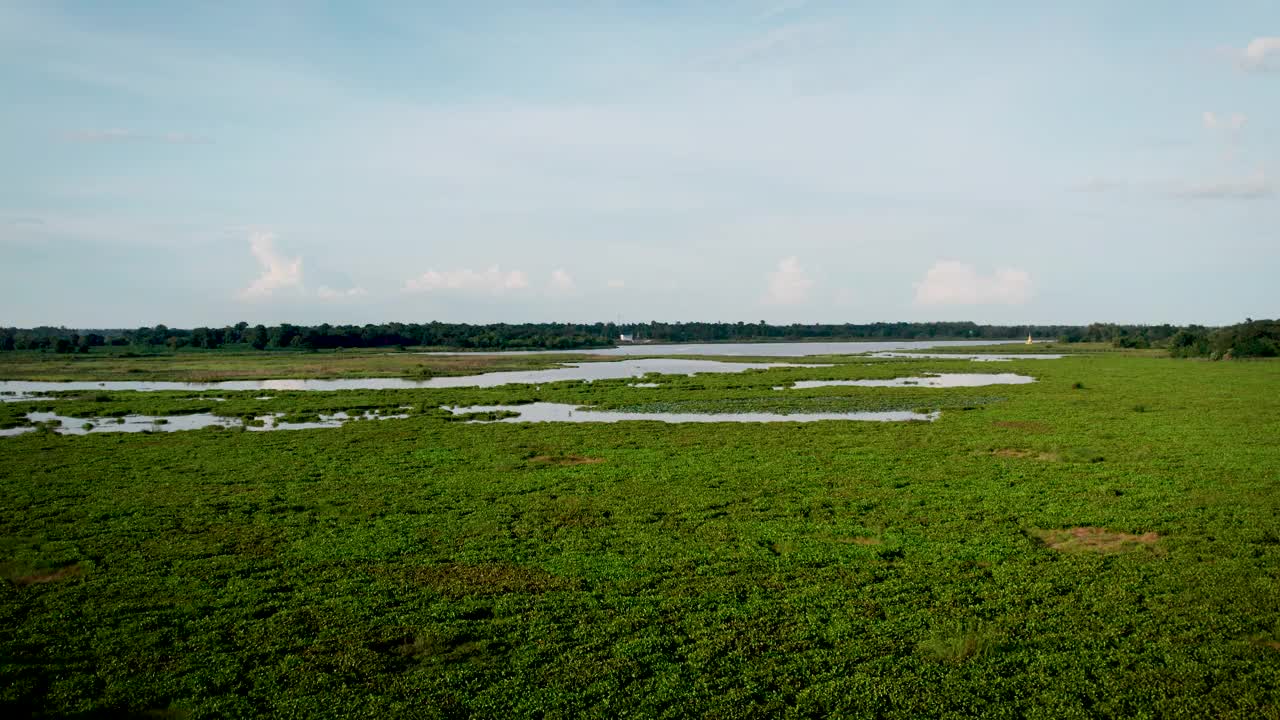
[1185, 340]
[1251, 338]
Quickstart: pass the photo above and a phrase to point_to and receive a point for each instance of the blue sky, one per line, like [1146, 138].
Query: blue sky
[208, 162]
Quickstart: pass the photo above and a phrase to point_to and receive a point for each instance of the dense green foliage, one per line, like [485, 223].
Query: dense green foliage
[1253, 338]
[1124, 336]
[539, 336]
[1042, 550]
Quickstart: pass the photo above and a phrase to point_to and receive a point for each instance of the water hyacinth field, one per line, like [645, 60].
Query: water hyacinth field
[1100, 541]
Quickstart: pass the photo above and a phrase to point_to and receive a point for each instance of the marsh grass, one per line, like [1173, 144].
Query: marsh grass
[1024, 453]
[233, 365]
[563, 460]
[958, 644]
[1079, 455]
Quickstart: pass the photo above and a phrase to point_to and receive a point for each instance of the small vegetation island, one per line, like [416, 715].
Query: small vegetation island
[1089, 527]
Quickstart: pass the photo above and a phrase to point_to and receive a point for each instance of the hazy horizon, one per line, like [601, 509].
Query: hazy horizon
[787, 161]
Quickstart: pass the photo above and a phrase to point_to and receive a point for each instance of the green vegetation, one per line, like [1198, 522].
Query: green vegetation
[231, 365]
[1039, 551]
[538, 336]
[1253, 338]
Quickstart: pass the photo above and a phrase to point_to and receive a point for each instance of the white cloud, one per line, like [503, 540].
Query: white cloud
[493, 280]
[957, 283]
[1242, 186]
[768, 46]
[278, 271]
[1233, 122]
[1257, 53]
[789, 284]
[561, 281]
[616, 284]
[1250, 187]
[325, 292]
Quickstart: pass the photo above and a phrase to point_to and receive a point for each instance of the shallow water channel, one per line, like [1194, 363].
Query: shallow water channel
[931, 380]
[530, 413]
[12, 390]
[559, 412]
[173, 423]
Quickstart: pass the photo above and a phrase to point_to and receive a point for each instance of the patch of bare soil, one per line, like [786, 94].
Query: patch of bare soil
[459, 580]
[565, 460]
[1027, 454]
[64, 573]
[1094, 539]
[1031, 426]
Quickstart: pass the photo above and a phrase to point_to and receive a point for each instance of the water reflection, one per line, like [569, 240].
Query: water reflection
[932, 380]
[615, 370]
[64, 425]
[765, 349]
[557, 412]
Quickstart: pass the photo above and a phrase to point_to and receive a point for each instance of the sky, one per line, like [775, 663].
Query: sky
[203, 163]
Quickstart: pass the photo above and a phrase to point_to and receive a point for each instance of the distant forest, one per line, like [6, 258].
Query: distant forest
[1252, 338]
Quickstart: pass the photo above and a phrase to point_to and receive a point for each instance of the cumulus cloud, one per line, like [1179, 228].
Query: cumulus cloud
[1261, 54]
[789, 284]
[957, 283]
[561, 281]
[325, 292]
[278, 272]
[492, 280]
[1232, 122]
